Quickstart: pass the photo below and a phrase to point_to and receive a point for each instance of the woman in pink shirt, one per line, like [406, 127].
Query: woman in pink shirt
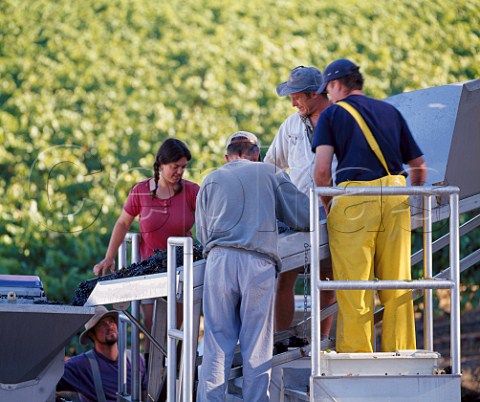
[165, 206]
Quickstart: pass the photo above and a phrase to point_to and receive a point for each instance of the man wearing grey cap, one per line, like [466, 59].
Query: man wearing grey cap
[291, 149]
[237, 208]
[291, 146]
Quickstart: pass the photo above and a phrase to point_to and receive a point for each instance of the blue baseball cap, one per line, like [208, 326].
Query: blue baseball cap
[337, 69]
[301, 79]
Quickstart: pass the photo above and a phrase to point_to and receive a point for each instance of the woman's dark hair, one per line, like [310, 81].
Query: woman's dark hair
[171, 150]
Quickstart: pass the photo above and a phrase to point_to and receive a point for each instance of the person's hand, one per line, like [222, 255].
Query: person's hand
[102, 266]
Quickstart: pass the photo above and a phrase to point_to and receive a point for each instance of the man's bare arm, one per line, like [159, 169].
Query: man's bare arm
[418, 171]
[322, 173]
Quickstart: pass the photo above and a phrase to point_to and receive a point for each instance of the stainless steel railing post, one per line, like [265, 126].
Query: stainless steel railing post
[135, 392]
[173, 333]
[315, 279]
[122, 332]
[455, 277]
[135, 306]
[171, 360]
[122, 357]
[427, 273]
[122, 254]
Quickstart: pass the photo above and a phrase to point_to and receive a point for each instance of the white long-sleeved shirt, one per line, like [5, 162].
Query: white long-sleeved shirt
[291, 149]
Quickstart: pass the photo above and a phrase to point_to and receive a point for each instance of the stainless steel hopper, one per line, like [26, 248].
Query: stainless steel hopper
[445, 121]
[32, 347]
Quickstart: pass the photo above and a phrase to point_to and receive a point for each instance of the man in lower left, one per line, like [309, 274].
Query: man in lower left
[94, 375]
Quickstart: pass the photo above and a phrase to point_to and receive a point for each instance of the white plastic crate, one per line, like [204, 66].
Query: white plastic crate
[405, 362]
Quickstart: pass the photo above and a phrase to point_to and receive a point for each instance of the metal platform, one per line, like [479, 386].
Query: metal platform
[444, 121]
[410, 376]
[292, 247]
[413, 388]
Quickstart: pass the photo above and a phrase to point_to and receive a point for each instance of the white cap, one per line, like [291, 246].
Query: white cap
[243, 136]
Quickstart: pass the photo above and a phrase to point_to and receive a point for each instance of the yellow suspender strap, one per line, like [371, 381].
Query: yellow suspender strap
[366, 131]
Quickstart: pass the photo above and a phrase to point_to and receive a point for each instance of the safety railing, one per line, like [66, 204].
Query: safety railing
[134, 240]
[123, 323]
[173, 333]
[427, 284]
[133, 318]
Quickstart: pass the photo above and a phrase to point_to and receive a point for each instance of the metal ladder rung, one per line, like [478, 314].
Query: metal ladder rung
[176, 333]
[385, 284]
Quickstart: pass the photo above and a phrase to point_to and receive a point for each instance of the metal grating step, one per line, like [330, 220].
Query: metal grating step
[294, 395]
[295, 384]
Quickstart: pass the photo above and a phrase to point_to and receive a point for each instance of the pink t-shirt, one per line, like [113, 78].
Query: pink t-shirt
[159, 219]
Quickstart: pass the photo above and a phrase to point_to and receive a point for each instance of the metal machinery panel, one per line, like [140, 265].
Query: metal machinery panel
[445, 121]
[405, 388]
[32, 342]
[21, 289]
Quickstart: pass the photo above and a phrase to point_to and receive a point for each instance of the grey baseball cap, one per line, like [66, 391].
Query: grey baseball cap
[337, 69]
[301, 79]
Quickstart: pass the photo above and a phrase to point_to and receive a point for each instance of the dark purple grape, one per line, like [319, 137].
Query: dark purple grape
[155, 264]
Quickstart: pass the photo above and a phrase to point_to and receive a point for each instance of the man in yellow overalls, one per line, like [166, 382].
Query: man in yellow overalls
[369, 235]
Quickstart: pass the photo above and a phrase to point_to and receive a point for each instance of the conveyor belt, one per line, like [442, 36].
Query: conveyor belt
[32, 347]
[292, 251]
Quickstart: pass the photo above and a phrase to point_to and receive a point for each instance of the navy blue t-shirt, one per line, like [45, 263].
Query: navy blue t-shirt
[78, 377]
[356, 160]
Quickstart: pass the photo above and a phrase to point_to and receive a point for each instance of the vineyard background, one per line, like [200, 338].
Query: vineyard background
[89, 89]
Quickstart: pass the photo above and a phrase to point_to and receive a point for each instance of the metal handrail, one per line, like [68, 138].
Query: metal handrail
[122, 356]
[386, 284]
[453, 283]
[174, 334]
[428, 272]
[134, 239]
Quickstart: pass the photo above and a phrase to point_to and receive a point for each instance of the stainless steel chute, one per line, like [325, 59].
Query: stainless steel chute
[32, 347]
[445, 121]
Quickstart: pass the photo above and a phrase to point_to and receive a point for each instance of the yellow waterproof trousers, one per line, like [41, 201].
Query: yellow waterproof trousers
[370, 238]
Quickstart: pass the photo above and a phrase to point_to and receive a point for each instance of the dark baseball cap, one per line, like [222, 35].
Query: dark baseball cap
[301, 79]
[337, 69]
